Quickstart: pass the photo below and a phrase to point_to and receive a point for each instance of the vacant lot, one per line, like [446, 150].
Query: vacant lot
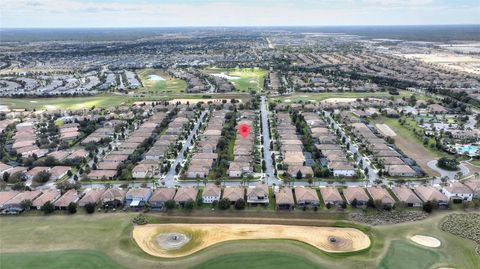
[411, 145]
[64, 102]
[156, 81]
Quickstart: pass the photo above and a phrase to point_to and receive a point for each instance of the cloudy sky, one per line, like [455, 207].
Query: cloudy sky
[168, 13]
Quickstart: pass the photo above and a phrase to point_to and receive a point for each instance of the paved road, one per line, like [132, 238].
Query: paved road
[445, 173]
[372, 173]
[170, 176]
[269, 170]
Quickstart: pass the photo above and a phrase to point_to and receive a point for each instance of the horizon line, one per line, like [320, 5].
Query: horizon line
[232, 26]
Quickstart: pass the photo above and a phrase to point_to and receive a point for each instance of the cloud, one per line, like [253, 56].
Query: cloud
[123, 13]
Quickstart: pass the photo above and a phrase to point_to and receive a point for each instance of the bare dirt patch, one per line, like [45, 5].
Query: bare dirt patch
[328, 239]
[385, 129]
[426, 241]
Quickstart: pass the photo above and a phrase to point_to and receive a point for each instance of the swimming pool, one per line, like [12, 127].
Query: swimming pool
[469, 149]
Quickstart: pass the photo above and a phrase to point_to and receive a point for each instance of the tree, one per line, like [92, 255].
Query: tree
[224, 204]
[72, 208]
[42, 177]
[170, 204]
[189, 204]
[354, 202]
[450, 164]
[378, 204]
[26, 204]
[428, 207]
[299, 174]
[370, 203]
[5, 176]
[199, 201]
[240, 204]
[47, 208]
[17, 177]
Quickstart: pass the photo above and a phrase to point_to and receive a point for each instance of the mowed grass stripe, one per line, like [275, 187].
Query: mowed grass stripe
[264, 260]
[78, 259]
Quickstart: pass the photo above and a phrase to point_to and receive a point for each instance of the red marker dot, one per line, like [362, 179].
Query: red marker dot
[244, 130]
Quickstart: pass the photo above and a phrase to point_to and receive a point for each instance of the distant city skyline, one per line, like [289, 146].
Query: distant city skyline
[169, 13]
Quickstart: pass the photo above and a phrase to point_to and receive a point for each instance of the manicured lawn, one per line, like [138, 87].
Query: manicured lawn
[64, 102]
[316, 97]
[78, 259]
[104, 240]
[154, 87]
[249, 79]
[404, 255]
[265, 260]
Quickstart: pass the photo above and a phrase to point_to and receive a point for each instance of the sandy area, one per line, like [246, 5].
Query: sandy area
[205, 235]
[427, 241]
[385, 129]
[464, 63]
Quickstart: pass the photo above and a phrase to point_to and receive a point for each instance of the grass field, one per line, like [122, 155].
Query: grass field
[109, 235]
[264, 260]
[78, 259]
[317, 97]
[156, 87]
[63, 102]
[249, 79]
[403, 255]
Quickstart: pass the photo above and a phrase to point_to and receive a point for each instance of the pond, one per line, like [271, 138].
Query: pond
[223, 75]
[155, 77]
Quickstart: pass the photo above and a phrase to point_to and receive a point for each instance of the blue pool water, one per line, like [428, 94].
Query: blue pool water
[470, 149]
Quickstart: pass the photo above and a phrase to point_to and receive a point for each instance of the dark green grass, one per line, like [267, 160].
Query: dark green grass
[264, 260]
[404, 255]
[78, 259]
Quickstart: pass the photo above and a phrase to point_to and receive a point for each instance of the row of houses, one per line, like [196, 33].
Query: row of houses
[244, 147]
[69, 131]
[205, 155]
[291, 147]
[24, 140]
[326, 142]
[56, 172]
[107, 168]
[285, 197]
[392, 161]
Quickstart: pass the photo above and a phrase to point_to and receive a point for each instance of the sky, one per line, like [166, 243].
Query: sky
[177, 13]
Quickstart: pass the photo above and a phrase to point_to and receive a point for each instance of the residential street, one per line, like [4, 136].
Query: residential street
[169, 178]
[269, 177]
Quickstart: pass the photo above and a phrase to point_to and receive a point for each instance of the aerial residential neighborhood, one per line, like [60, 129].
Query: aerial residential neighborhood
[240, 134]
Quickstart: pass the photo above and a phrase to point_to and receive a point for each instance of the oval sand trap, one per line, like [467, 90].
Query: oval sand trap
[427, 241]
[328, 239]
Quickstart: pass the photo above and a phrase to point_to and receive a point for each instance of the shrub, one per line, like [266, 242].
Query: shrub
[240, 204]
[90, 208]
[224, 204]
[47, 208]
[140, 220]
[170, 204]
[72, 208]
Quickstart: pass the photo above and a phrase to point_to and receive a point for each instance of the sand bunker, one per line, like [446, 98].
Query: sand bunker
[426, 241]
[385, 130]
[171, 241]
[159, 239]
